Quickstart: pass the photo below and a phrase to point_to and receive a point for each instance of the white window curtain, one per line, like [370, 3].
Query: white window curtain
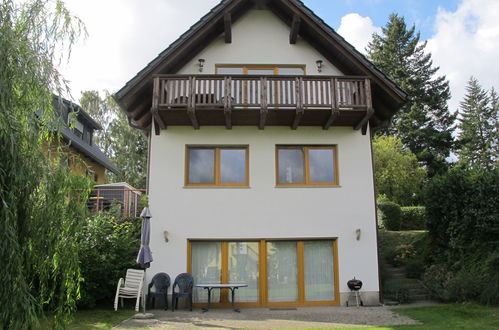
[206, 268]
[319, 270]
[243, 268]
[282, 271]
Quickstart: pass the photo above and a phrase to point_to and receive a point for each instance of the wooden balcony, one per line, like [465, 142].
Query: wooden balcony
[293, 101]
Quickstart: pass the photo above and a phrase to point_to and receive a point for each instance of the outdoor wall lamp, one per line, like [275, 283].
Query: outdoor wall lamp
[357, 234]
[319, 65]
[201, 64]
[165, 235]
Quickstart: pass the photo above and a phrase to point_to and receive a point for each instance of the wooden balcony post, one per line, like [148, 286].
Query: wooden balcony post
[228, 103]
[334, 105]
[370, 111]
[299, 102]
[263, 101]
[191, 108]
[159, 124]
[98, 201]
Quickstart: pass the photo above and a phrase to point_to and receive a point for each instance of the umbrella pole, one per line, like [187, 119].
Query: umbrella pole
[144, 293]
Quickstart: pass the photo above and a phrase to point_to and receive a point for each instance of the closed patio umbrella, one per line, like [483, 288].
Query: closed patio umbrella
[144, 258]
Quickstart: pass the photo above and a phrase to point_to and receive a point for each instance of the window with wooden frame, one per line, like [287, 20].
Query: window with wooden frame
[260, 69]
[217, 166]
[306, 165]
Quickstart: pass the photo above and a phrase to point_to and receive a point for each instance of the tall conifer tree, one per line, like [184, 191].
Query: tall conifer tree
[424, 123]
[478, 137]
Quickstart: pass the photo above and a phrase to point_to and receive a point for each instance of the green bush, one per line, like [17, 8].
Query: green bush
[390, 215]
[463, 226]
[461, 285]
[436, 279]
[413, 218]
[109, 245]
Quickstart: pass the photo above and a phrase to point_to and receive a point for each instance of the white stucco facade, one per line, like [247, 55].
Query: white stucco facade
[262, 210]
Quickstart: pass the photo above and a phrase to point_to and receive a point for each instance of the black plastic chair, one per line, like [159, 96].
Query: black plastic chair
[161, 283]
[185, 283]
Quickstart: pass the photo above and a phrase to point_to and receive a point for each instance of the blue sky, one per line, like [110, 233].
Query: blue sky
[419, 12]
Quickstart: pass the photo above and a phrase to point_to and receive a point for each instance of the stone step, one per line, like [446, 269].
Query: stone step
[419, 297]
[417, 291]
[408, 282]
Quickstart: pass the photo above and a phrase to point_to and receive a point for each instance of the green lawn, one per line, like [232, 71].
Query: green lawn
[95, 319]
[451, 316]
[100, 319]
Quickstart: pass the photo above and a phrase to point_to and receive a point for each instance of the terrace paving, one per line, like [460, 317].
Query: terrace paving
[265, 318]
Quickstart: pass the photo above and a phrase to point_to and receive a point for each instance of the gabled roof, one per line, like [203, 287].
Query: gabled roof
[135, 96]
[73, 107]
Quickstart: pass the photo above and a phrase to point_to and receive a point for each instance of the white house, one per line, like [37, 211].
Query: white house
[260, 119]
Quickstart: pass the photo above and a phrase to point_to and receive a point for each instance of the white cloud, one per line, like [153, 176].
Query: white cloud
[125, 35]
[466, 43]
[357, 30]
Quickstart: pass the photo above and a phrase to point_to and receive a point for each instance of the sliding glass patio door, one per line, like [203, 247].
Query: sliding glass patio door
[282, 272]
[278, 272]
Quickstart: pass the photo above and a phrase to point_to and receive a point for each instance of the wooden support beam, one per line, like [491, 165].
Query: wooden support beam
[295, 28]
[332, 117]
[364, 129]
[157, 130]
[364, 120]
[263, 110]
[191, 108]
[158, 121]
[299, 102]
[228, 28]
[228, 103]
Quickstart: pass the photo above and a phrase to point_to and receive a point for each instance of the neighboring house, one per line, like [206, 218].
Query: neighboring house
[83, 156]
[260, 120]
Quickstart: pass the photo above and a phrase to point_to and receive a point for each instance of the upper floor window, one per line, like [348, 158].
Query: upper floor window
[87, 135]
[78, 128]
[217, 166]
[306, 165]
[294, 70]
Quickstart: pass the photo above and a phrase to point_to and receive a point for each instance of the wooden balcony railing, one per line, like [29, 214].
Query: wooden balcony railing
[263, 93]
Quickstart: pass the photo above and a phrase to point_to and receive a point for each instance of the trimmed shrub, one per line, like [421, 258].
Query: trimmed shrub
[413, 218]
[390, 215]
[109, 245]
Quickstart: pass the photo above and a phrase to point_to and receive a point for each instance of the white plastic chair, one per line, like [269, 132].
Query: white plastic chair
[130, 288]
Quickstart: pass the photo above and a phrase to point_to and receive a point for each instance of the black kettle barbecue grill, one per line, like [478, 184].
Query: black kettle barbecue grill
[355, 285]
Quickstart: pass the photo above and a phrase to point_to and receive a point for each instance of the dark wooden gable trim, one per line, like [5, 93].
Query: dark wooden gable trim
[295, 28]
[228, 28]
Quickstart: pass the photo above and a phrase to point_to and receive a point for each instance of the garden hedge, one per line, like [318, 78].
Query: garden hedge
[413, 218]
[390, 214]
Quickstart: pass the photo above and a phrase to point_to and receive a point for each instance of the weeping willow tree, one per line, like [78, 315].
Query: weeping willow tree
[41, 204]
